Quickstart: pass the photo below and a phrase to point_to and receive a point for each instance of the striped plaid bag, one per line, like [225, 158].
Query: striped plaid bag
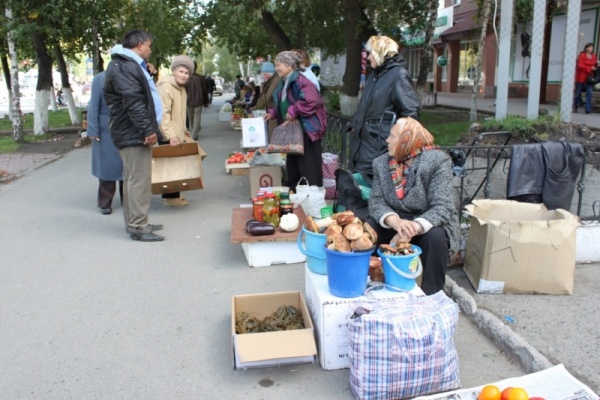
[403, 348]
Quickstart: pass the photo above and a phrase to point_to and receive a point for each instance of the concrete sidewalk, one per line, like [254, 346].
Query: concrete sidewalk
[516, 106]
[91, 313]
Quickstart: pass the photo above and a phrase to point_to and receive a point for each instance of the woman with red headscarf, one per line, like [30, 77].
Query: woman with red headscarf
[412, 199]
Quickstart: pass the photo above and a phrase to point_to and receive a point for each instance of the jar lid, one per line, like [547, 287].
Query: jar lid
[284, 196]
[285, 202]
[270, 195]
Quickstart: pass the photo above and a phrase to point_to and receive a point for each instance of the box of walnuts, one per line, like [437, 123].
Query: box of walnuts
[271, 329]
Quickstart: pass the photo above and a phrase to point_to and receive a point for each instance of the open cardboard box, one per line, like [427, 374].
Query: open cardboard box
[177, 168]
[270, 349]
[516, 247]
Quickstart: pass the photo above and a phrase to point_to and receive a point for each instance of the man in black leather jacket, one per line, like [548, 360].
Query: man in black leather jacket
[388, 88]
[135, 112]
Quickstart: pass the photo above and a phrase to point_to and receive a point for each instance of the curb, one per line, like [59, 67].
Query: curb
[14, 177]
[504, 337]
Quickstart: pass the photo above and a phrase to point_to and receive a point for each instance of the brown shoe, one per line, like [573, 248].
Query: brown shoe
[179, 202]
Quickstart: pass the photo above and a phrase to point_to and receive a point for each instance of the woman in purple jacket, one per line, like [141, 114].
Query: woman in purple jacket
[297, 98]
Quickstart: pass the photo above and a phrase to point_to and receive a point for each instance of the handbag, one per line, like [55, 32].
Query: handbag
[403, 348]
[287, 138]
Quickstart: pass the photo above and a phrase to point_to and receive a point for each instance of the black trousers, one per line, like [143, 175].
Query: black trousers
[434, 257]
[106, 193]
[307, 165]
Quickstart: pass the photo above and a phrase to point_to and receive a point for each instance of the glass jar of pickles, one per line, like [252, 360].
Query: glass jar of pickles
[271, 209]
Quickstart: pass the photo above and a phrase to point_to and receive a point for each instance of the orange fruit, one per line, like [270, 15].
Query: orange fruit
[517, 393]
[504, 395]
[489, 392]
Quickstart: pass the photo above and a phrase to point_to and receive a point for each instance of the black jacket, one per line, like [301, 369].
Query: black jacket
[132, 116]
[387, 88]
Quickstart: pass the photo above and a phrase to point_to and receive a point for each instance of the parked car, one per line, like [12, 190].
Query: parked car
[218, 90]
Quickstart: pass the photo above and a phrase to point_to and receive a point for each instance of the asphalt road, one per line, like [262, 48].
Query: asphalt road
[85, 312]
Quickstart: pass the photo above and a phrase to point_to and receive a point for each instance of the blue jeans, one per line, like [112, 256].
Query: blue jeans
[588, 96]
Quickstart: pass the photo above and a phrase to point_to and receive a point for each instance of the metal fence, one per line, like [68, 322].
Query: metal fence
[483, 168]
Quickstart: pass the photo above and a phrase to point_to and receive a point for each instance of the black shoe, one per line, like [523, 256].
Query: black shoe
[105, 211]
[154, 228]
[588, 112]
[147, 237]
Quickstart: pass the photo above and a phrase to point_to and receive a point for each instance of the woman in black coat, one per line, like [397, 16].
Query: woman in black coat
[388, 88]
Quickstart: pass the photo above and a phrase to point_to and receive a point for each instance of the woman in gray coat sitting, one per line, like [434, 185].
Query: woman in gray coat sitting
[412, 199]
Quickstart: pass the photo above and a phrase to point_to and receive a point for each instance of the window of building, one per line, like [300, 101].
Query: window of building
[413, 62]
[467, 63]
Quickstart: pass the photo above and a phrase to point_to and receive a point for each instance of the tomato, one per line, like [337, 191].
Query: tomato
[489, 392]
[517, 393]
[504, 395]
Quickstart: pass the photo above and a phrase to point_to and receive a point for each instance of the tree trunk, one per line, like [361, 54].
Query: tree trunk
[44, 84]
[96, 57]
[6, 71]
[15, 96]
[281, 41]
[484, 23]
[427, 56]
[66, 85]
[352, 13]
[546, 52]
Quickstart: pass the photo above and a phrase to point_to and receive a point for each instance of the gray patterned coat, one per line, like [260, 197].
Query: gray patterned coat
[429, 192]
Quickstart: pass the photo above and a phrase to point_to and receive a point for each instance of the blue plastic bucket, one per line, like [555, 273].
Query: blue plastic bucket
[315, 256]
[401, 271]
[347, 272]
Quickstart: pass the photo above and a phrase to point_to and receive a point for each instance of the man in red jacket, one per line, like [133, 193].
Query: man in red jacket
[197, 97]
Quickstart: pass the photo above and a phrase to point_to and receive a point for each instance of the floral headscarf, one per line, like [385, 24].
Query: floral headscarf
[381, 47]
[414, 139]
[290, 58]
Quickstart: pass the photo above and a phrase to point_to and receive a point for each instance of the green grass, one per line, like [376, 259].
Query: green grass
[56, 119]
[8, 145]
[446, 133]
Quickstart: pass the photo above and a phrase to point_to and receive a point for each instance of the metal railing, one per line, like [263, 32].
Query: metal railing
[478, 166]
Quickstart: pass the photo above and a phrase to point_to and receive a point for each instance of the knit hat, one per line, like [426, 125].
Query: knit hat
[183, 60]
[267, 67]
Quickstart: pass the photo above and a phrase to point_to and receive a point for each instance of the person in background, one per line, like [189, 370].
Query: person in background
[210, 84]
[265, 101]
[308, 73]
[174, 99]
[135, 112]
[317, 71]
[238, 86]
[587, 64]
[411, 199]
[297, 98]
[107, 165]
[388, 87]
[197, 98]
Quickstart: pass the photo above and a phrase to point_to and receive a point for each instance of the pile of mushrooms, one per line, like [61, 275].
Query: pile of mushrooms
[345, 232]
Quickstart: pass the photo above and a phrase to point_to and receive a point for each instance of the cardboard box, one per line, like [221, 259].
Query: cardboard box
[517, 247]
[330, 316]
[239, 169]
[264, 251]
[264, 176]
[270, 349]
[224, 116]
[177, 168]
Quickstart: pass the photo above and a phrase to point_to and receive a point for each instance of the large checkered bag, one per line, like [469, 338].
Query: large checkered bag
[403, 348]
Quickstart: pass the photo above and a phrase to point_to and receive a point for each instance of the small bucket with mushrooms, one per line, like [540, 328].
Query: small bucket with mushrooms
[401, 265]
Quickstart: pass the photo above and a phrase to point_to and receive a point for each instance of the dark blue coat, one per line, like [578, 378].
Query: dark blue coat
[106, 161]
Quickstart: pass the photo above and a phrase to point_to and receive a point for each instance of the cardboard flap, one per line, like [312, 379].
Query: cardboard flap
[182, 149]
[252, 347]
